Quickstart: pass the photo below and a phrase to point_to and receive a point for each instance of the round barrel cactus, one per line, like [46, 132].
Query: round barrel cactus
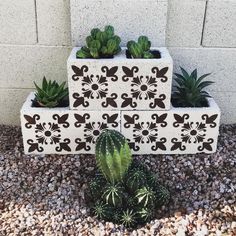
[113, 155]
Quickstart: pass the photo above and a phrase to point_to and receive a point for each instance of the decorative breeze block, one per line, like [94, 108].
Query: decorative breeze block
[120, 83]
[178, 131]
[63, 131]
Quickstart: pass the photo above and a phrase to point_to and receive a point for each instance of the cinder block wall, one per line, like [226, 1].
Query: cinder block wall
[35, 41]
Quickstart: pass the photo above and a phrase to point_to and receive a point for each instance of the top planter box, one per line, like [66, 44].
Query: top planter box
[120, 83]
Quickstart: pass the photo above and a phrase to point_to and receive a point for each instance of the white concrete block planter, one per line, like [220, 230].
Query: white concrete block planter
[177, 131]
[63, 131]
[120, 83]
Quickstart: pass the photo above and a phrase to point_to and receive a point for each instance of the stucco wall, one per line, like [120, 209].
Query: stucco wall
[35, 41]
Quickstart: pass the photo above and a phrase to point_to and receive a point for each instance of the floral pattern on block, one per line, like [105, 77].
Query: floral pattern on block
[92, 129]
[193, 133]
[101, 88]
[47, 133]
[94, 86]
[146, 132]
[144, 87]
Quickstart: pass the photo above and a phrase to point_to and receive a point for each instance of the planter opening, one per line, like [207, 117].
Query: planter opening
[64, 103]
[102, 57]
[156, 53]
[203, 104]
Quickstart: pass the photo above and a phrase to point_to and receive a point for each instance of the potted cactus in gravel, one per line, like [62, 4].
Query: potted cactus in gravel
[123, 191]
[103, 76]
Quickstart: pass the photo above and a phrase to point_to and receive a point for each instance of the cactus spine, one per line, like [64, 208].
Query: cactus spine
[113, 155]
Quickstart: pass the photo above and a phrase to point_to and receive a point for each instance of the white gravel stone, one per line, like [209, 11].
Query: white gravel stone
[46, 195]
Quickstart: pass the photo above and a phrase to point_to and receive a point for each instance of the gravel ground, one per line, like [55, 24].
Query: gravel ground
[44, 195]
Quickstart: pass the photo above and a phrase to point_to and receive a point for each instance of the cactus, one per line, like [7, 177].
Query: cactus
[140, 49]
[95, 187]
[162, 195]
[136, 179]
[101, 210]
[145, 196]
[113, 194]
[100, 44]
[145, 214]
[128, 218]
[113, 155]
[123, 192]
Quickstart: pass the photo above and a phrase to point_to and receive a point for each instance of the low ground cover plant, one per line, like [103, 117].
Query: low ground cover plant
[100, 44]
[51, 94]
[123, 191]
[190, 90]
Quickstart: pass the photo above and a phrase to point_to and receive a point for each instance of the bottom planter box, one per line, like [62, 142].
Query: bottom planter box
[63, 131]
[177, 131]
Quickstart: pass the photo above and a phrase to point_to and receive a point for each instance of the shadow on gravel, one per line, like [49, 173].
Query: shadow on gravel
[48, 192]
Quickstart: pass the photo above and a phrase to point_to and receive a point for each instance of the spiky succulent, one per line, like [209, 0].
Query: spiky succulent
[128, 218]
[100, 44]
[113, 155]
[190, 89]
[162, 195]
[131, 198]
[145, 214]
[146, 196]
[50, 94]
[135, 179]
[96, 186]
[113, 194]
[140, 49]
[101, 210]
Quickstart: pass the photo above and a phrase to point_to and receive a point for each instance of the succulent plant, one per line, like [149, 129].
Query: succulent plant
[151, 180]
[145, 214]
[162, 195]
[113, 155]
[128, 218]
[100, 44]
[190, 89]
[146, 196]
[136, 179]
[140, 49]
[51, 94]
[101, 210]
[113, 194]
[124, 192]
[96, 186]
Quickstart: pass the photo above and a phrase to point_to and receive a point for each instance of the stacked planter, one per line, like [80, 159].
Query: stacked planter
[130, 95]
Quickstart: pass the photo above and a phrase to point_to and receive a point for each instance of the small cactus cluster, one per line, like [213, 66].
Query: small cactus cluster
[123, 191]
[140, 49]
[100, 44]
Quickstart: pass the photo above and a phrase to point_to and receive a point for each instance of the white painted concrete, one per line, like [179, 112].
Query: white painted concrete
[63, 131]
[22, 65]
[185, 22]
[130, 18]
[120, 83]
[53, 18]
[220, 30]
[17, 22]
[11, 101]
